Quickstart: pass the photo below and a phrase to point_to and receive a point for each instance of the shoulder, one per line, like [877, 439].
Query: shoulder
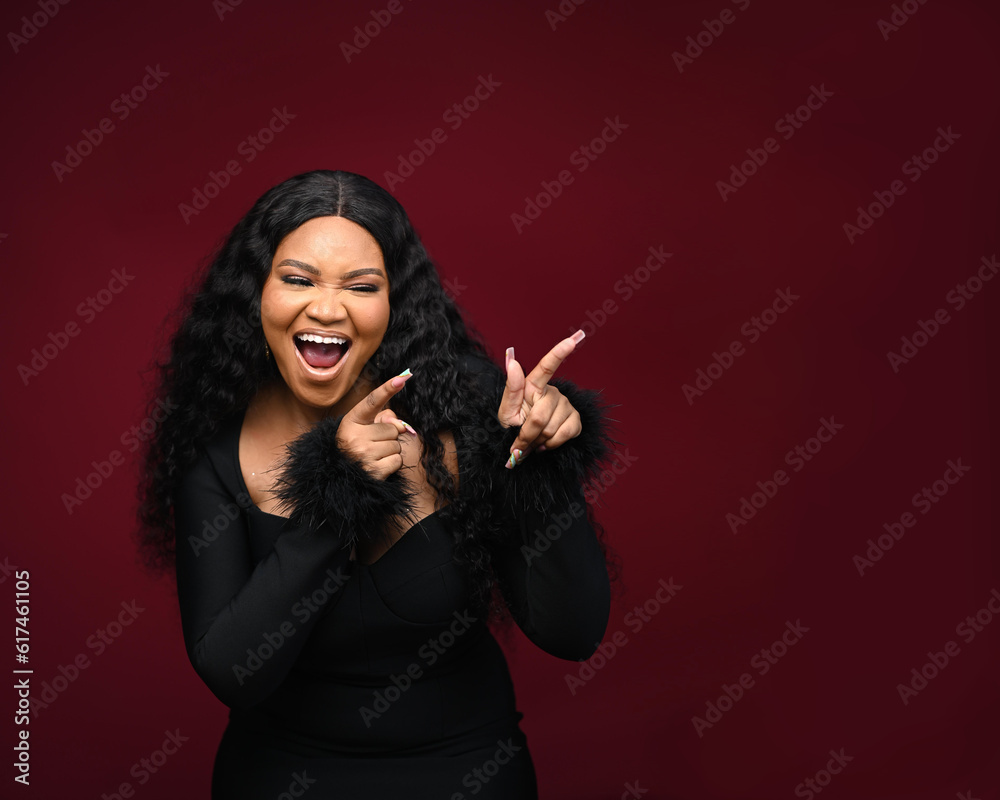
[215, 465]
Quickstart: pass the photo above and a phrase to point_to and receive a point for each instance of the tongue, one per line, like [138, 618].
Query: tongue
[321, 356]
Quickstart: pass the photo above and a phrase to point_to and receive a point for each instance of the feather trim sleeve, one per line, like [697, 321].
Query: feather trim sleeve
[545, 480]
[320, 484]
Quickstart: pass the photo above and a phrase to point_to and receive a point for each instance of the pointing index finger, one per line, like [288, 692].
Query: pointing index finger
[369, 407]
[543, 372]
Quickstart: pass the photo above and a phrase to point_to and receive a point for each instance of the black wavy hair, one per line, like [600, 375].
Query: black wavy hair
[217, 361]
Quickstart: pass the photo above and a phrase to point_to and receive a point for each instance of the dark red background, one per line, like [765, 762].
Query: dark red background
[655, 185]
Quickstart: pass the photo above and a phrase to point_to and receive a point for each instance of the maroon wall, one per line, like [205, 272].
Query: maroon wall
[681, 171]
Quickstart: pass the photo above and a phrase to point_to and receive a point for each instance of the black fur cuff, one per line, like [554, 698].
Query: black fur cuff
[543, 480]
[320, 484]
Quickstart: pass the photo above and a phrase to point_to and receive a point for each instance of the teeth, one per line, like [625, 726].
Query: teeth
[312, 337]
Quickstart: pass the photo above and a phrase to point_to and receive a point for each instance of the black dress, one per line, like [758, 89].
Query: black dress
[348, 680]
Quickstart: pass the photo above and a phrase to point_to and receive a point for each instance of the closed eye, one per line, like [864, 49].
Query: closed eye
[298, 280]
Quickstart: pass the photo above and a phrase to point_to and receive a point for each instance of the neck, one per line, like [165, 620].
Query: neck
[278, 400]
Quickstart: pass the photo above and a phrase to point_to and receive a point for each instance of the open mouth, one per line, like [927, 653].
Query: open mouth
[321, 352]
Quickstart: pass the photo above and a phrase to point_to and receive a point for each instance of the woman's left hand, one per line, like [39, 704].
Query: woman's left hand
[546, 417]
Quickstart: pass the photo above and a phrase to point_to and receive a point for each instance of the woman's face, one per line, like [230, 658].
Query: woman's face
[324, 309]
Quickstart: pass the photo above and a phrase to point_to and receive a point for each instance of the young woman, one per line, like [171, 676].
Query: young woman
[349, 491]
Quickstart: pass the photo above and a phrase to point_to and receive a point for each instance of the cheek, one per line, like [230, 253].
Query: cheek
[272, 310]
[266, 302]
[374, 318]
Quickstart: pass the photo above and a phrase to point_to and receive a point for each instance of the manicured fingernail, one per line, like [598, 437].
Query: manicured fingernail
[578, 336]
[409, 427]
[514, 460]
[401, 378]
[510, 356]
[541, 448]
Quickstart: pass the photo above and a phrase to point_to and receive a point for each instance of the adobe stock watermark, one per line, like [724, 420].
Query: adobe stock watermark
[429, 653]
[302, 610]
[297, 786]
[121, 107]
[581, 158]
[454, 116]
[937, 661]
[927, 329]
[380, 20]
[544, 539]
[762, 663]
[98, 642]
[634, 620]
[562, 12]
[599, 484]
[147, 766]
[787, 126]
[913, 168]
[561, 522]
[47, 10]
[479, 777]
[923, 501]
[752, 330]
[633, 790]
[131, 438]
[6, 570]
[626, 288]
[215, 527]
[251, 147]
[223, 7]
[901, 13]
[795, 458]
[88, 310]
[815, 784]
[711, 30]
[22, 686]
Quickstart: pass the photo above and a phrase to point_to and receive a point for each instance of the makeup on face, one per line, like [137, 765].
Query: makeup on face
[325, 307]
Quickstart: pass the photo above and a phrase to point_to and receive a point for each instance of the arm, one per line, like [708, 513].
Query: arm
[554, 579]
[551, 567]
[229, 605]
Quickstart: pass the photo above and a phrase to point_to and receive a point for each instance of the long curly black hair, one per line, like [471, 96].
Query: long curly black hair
[217, 361]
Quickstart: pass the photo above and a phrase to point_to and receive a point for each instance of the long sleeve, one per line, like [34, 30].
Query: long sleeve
[554, 579]
[551, 567]
[245, 624]
[230, 606]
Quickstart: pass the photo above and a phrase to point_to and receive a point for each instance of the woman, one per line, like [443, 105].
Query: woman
[349, 490]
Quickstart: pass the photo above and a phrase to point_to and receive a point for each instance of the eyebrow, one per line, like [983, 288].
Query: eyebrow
[291, 262]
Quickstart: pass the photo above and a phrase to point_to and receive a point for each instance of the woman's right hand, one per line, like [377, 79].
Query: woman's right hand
[369, 432]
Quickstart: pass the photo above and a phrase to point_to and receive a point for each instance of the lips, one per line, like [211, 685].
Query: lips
[321, 350]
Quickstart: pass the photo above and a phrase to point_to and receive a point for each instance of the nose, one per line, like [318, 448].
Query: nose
[325, 306]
